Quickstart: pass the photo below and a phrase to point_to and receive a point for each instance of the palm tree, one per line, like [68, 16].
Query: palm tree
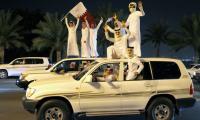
[9, 32]
[51, 34]
[157, 34]
[189, 35]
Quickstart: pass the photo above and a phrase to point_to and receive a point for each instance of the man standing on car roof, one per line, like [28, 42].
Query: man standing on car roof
[118, 50]
[133, 22]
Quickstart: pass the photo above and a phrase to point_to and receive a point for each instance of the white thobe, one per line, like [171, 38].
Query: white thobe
[133, 22]
[85, 49]
[93, 40]
[118, 50]
[72, 46]
[134, 65]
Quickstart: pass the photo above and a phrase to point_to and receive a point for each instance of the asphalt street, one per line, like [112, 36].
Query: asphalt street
[11, 107]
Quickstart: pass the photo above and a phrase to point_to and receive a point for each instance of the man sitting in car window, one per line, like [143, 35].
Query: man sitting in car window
[73, 66]
[109, 75]
[135, 66]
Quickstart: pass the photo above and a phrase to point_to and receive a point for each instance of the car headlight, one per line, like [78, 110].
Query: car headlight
[30, 92]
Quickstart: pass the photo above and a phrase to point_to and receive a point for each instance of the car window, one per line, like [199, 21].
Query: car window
[165, 70]
[18, 62]
[38, 61]
[106, 73]
[144, 75]
[84, 71]
[34, 61]
[29, 61]
[67, 66]
[84, 63]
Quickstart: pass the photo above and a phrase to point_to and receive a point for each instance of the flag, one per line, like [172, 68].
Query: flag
[78, 10]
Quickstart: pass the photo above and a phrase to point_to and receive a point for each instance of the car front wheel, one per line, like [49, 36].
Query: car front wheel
[3, 74]
[54, 110]
[160, 109]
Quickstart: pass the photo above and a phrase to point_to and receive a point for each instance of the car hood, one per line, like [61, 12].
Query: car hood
[52, 82]
[35, 72]
[58, 87]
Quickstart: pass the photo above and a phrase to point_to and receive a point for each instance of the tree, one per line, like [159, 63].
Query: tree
[189, 35]
[157, 34]
[51, 34]
[9, 32]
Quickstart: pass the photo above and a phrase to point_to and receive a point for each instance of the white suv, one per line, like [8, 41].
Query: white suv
[19, 65]
[160, 90]
[61, 69]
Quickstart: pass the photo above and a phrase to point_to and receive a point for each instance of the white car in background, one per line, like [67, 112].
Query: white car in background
[19, 65]
[63, 68]
[194, 71]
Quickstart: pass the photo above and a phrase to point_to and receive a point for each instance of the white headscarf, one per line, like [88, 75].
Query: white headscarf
[132, 9]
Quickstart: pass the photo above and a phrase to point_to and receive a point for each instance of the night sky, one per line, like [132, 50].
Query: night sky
[170, 10]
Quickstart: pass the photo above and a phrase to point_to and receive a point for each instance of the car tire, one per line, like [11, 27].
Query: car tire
[160, 109]
[54, 109]
[3, 74]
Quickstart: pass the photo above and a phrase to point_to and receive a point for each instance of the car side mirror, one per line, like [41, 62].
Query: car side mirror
[88, 79]
[49, 66]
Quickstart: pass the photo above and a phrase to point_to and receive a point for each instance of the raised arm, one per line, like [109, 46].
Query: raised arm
[108, 37]
[66, 22]
[87, 24]
[100, 22]
[140, 6]
[77, 23]
[110, 29]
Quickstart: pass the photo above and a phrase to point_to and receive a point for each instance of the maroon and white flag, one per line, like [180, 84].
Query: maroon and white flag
[80, 11]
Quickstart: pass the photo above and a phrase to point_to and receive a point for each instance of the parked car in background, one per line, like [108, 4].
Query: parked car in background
[63, 68]
[194, 71]
[188, 62]
[162, 89]
[19, 65]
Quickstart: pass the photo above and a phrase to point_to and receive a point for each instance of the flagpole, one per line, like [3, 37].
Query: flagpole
[64, 17]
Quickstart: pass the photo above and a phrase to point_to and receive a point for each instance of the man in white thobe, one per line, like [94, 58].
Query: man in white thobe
[85, 49]
[93, 38]
[118, 50]
[133, 22]
[135, 66]
[72, 47]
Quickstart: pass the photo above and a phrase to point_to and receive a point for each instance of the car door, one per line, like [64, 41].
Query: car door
[17, 67]
[100, 95]
[136, 93]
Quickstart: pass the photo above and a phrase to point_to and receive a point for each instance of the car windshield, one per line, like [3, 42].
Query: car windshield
[84, 71]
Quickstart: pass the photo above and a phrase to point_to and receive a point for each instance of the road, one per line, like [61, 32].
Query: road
[12, 109]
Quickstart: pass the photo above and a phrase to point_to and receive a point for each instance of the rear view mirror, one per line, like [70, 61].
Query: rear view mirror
[88, 79]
